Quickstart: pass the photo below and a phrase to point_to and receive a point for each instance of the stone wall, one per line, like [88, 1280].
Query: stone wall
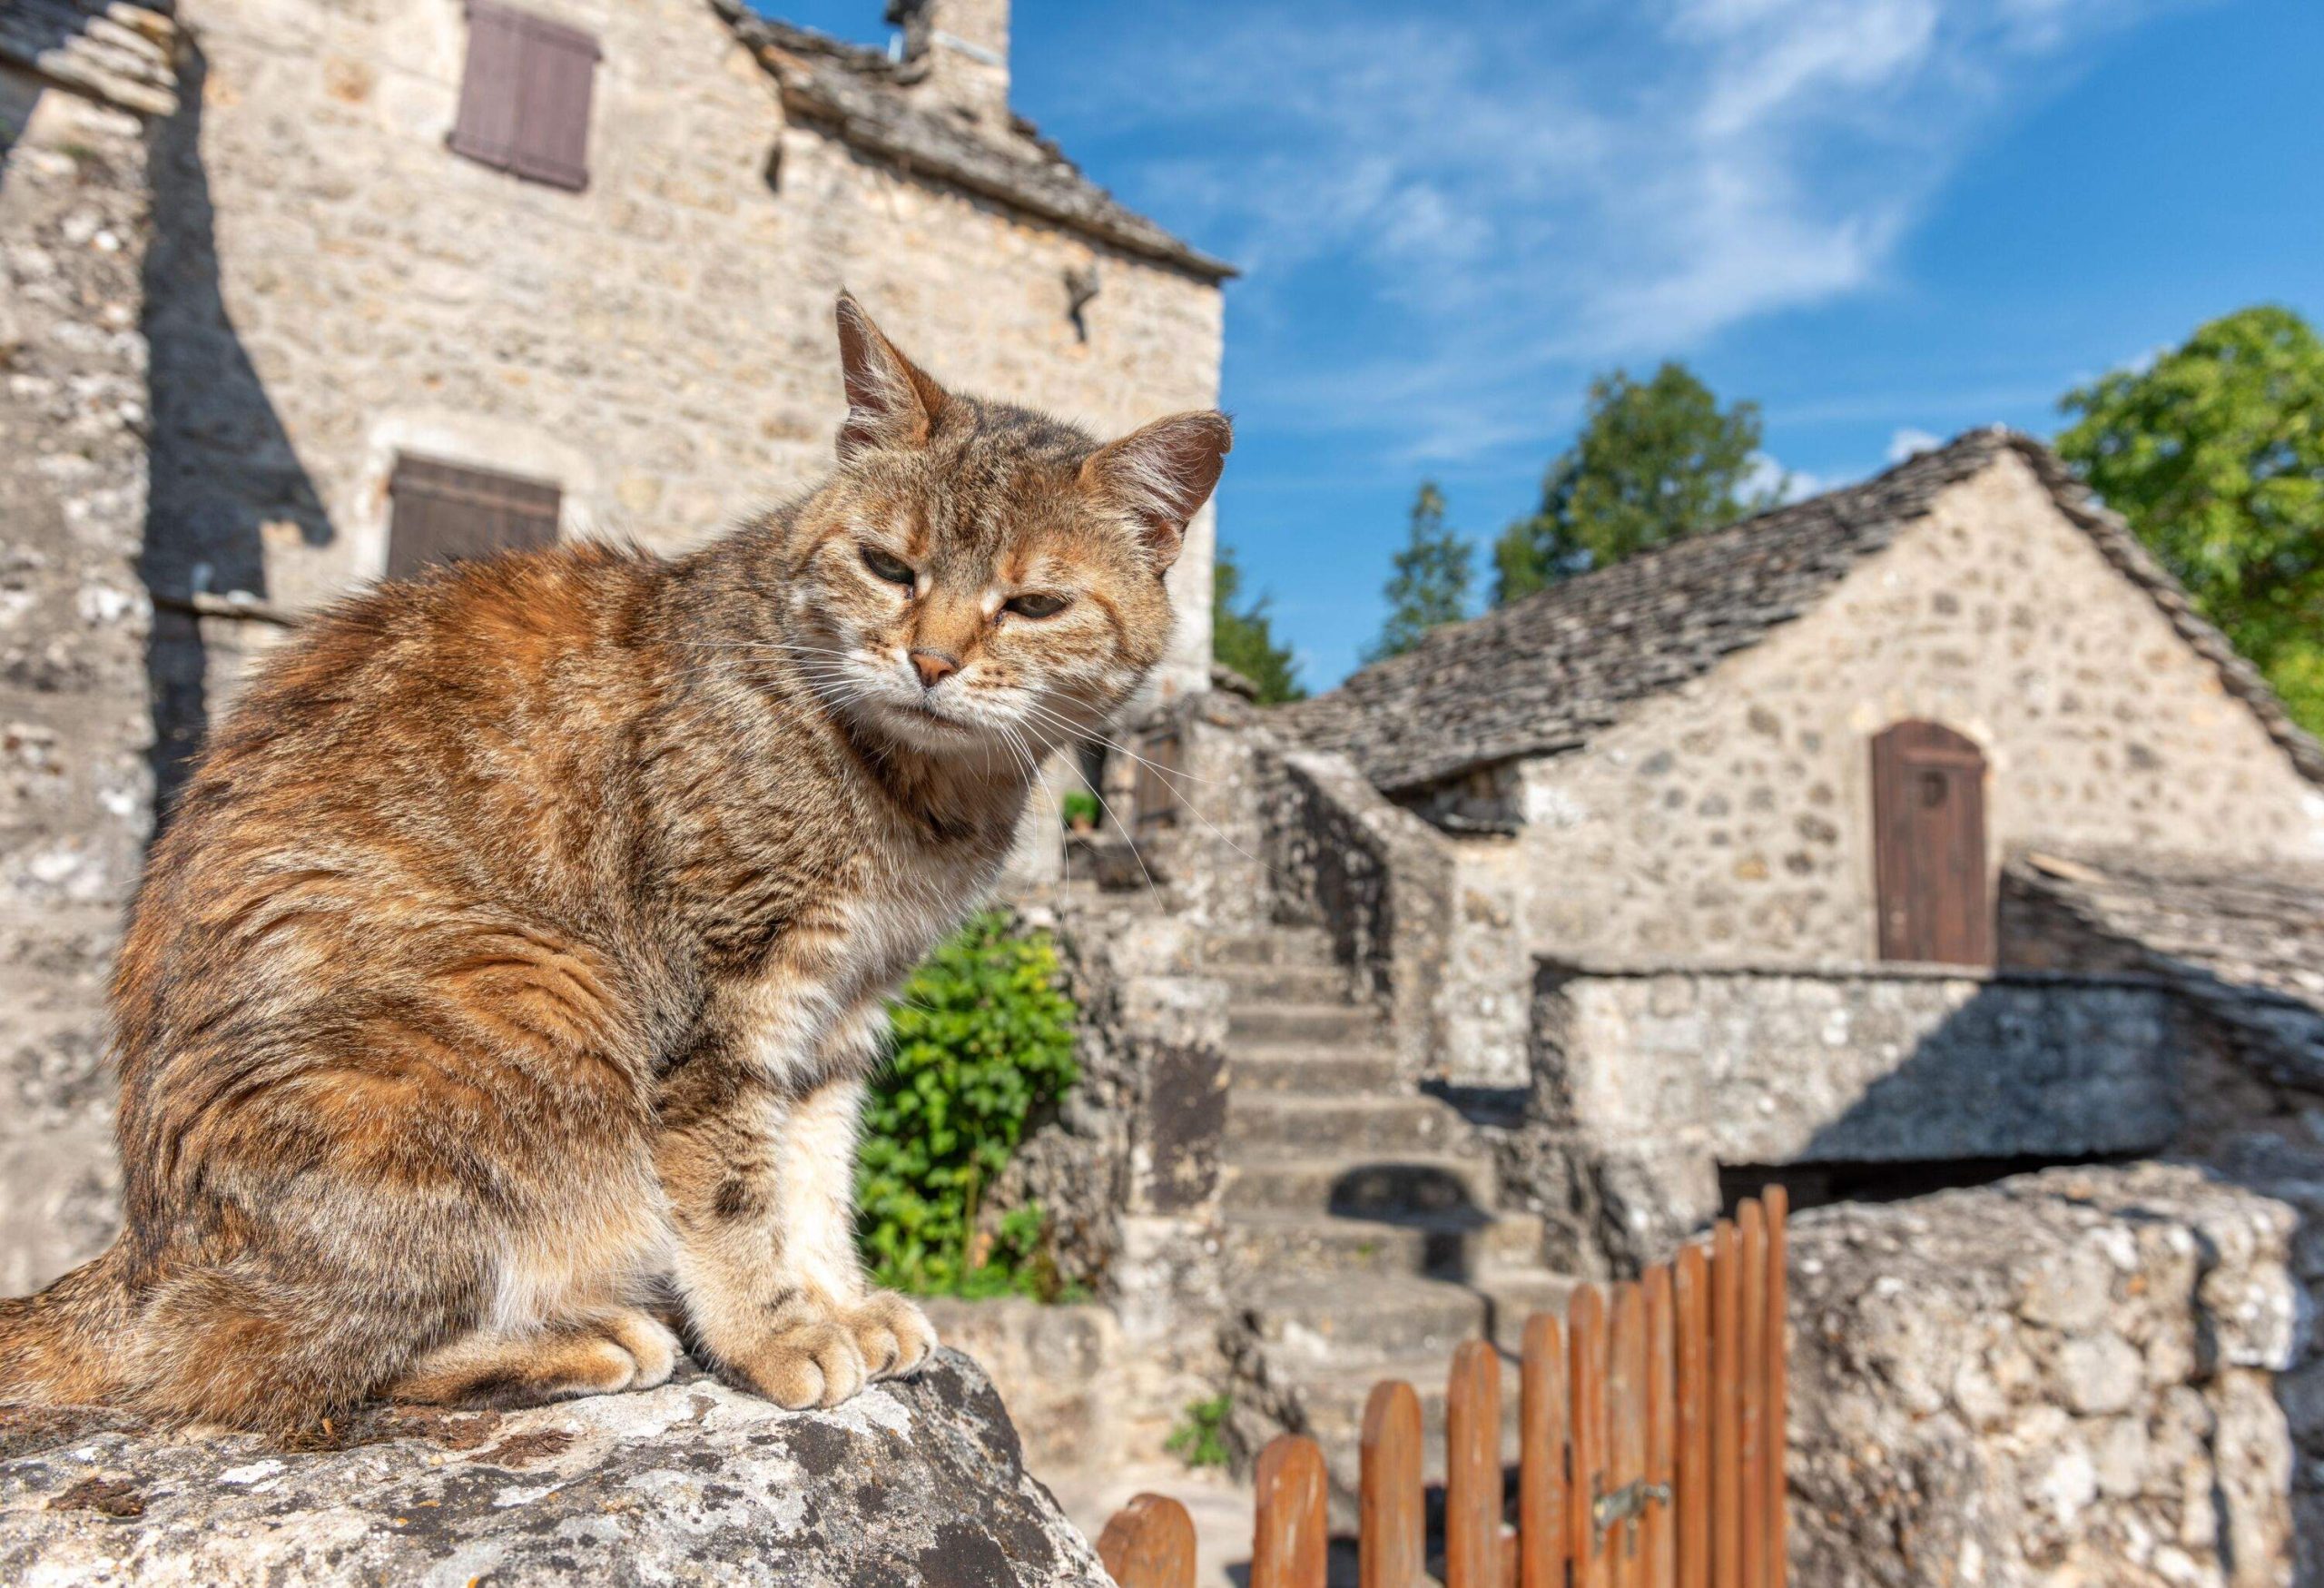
[1377, 879]
[2068, 1377]
[1731, 820]
[1127, 1173]
[75, 728]
[659, 344]
[1644, 1085]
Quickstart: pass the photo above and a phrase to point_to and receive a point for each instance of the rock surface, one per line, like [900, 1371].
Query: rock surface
[917, 1483]
[2067, 1377]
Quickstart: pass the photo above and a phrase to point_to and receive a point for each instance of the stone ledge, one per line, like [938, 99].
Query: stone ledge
[693, 1482]
[1846, 970]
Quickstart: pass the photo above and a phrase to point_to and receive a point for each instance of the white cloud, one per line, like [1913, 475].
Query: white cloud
[1786, 485]
[1506, 203]
[1909, 442]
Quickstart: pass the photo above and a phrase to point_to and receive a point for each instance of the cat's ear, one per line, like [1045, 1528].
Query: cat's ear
[890, 400]
[1163, 474]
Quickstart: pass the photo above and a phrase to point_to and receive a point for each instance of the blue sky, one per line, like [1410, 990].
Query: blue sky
[1881, 218]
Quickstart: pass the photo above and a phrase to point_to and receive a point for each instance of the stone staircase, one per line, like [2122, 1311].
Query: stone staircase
[1362, 1241]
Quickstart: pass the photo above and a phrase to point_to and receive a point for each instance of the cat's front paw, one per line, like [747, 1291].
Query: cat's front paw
[805, 1365]
[894, 1335]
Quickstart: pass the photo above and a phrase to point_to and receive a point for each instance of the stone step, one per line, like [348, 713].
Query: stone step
[1275, 945]
[1331, 1402]
[1462, 1245]
[1353, 1124]
[1331, 1322]
[1321, 1071]
[1412, 1182]
[1319, 1024]
[1263, 983]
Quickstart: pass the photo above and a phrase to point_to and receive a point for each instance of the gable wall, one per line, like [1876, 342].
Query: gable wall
[660, 344]
[1730, 822]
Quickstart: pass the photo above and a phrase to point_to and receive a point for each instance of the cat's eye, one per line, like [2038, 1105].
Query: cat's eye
[892, 569]
[1036, 605]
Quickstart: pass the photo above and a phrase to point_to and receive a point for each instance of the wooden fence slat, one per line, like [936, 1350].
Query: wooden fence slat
[1149, 1544]
[1690, 1302]
[1288, 1539]
[1542, 1531]
[1394, 1519]
[1472, 1468]
[1725, 1410]
[1657, 1555]
[1751, 1258]
[1776, 1437]
[1626, 1419]
[1586, 1342]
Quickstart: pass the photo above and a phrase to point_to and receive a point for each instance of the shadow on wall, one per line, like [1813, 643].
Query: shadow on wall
[2044, 1070]
[223, 473]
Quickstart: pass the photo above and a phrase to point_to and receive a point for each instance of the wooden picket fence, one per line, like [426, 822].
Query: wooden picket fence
[1651, 1449]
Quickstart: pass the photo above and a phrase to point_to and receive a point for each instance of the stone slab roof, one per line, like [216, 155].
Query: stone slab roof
[2245, 944]
[1545, 674]
[862, 97]
[107, 49]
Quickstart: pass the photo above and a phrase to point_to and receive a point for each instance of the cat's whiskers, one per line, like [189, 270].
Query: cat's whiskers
[1165, 773]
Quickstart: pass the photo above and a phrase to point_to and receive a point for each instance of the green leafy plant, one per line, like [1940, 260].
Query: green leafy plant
[1200, 1437]
[980, 1040]
[1079, 807]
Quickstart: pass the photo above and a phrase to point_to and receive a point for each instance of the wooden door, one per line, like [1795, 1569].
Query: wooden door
[1928, 805]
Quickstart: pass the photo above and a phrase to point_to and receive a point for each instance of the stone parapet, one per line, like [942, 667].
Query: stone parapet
[1646, 1083]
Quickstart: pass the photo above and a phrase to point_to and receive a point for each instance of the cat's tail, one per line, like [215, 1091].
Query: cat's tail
[66, 1345]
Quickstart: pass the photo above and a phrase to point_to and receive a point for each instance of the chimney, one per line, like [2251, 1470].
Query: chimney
[966, 45]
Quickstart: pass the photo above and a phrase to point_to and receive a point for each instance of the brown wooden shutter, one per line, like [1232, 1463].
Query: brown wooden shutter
[1928, 812]
[1156, 795]
[524, 96]
[441, 512]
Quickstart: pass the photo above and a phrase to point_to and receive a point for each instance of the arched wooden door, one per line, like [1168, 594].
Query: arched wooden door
[1929, 814]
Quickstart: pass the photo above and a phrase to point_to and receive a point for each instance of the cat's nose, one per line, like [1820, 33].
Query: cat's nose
[934, 666]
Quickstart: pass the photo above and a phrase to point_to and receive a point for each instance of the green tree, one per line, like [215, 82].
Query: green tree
[2215, 455]
[1243, 636]
[1654, 460]
[1430, 585]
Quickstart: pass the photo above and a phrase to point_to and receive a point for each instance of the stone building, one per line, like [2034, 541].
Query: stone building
[298, 294]
[584, 253]
[1808, 740]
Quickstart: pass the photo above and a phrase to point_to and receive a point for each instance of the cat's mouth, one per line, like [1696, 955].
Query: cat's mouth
[920, 713]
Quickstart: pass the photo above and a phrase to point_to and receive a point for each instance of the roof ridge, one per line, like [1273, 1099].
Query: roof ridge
[859, 95]
[1598, 643]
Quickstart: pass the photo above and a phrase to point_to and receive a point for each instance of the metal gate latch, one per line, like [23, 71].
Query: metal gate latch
[1627, 1504]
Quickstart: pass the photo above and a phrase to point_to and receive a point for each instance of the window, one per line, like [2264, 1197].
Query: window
[524, 96]
[1928, 813]
[441, 512]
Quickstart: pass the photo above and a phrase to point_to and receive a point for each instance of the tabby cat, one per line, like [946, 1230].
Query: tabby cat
[504, 987]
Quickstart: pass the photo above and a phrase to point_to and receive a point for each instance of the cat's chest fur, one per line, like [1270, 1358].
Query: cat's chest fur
[816, 997]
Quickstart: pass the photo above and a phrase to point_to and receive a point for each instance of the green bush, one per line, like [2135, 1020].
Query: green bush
[1079, 805]
[981, 1038]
